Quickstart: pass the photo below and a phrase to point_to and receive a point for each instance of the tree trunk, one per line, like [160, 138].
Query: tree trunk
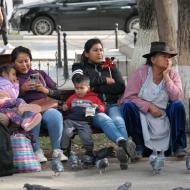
[165, 20]
[147, 33]
[184, 43]
[184, 31]
[184, 48]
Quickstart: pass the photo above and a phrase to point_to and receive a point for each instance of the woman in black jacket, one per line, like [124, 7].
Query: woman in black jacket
[107, 82]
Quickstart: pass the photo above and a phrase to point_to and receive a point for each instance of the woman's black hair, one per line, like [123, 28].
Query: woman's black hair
[148, 61]
[6, 68]
[88, 45]
[18, 50]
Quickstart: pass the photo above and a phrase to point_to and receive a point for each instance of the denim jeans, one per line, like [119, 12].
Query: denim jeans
[52, 120]
[111, 123]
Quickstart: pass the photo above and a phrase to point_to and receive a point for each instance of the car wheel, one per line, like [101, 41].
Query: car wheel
[132, 25]
[42, 26]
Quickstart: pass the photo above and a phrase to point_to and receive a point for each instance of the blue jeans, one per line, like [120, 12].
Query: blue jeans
[176, 114]
[111, 123]
[52, 120]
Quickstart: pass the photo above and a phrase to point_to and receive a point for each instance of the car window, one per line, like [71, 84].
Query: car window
[48, 1]
[80, 1]
[112, 2]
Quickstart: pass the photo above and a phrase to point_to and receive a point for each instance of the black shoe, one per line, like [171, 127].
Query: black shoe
[129, 147]
[88, 160]
[139, 152]
[122, 157]
[104, 153]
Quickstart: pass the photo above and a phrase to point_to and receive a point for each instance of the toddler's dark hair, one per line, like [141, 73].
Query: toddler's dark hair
[6, 68]
[81, 78]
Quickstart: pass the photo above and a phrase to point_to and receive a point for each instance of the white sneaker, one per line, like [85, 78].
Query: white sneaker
[2, 50]
[59, 152]
[40, 156]
[9, 46]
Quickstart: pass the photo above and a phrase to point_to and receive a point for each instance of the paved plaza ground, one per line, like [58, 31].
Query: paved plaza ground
[139, 174]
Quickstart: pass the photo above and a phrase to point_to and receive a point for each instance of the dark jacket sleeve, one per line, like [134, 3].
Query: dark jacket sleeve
[55, 93]
[117, 88]
[51, 85]
[95, 78]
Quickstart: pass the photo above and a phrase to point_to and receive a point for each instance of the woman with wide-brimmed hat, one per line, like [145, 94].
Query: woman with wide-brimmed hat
[152, 106]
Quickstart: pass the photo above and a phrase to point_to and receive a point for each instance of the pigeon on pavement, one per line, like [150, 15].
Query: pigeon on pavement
[125, 186]
[57, 166]
[157, 161]
[36, 187]
[74, 161]
[102, 164]
[181, 188]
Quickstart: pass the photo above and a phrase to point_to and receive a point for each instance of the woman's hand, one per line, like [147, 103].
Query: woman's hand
[110, 80]
[39, 87]
[155, 111]
[167, 71]
[27, 86]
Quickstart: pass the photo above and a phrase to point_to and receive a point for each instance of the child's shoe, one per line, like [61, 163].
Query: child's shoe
[30, 122]
[88, 160]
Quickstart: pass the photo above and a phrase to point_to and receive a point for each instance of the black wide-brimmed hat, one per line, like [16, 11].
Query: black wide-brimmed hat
[159, 47]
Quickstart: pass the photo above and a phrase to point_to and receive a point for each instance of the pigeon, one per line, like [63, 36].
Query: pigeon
[157, 161]
[57, 165]
[125, 186]
[188, 162]
[74, 161]
[36, 187]
[181, 188]
[102, 164]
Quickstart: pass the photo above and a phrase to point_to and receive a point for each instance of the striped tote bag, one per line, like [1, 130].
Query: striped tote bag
[24, 158]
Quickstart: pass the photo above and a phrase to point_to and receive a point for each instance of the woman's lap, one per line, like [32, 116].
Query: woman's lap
[131, 115]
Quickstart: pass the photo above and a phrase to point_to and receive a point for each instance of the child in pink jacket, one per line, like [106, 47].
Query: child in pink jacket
[13, 106]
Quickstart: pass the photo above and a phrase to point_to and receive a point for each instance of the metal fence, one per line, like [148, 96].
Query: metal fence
[51, 67]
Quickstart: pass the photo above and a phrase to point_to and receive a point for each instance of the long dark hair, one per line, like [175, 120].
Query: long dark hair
[18, 50]
[88, 45]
